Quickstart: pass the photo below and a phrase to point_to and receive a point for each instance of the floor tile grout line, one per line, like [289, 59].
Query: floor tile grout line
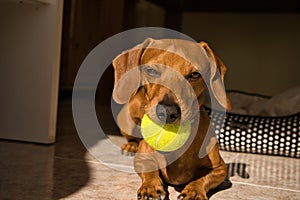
[90, 161]
[266, 186]
[75, 159]
[234, 182]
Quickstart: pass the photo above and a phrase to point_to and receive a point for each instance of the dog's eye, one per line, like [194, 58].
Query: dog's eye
[194, 76]
[152, 72]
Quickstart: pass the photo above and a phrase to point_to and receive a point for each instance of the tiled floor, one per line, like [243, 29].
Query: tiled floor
[67, 171]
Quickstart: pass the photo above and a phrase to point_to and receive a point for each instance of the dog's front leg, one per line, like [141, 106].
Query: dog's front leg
[212, 172]
[147, 163]
[152, 187]
[197, 190]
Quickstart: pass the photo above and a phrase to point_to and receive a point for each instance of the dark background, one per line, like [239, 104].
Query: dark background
[257, 40]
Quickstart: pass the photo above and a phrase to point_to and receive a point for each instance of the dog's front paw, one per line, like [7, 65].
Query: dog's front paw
[152, 191]
[192, 193]
[130, 148]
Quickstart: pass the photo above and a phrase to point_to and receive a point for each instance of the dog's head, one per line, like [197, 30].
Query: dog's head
[168, 78]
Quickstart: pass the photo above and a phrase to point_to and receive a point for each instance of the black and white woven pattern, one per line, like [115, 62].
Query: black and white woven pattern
[255, 134]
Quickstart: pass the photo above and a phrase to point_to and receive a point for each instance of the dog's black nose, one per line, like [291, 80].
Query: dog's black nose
[166, 113]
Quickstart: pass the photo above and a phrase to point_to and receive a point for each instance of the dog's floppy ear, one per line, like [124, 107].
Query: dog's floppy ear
[218, 70]
[127, 75]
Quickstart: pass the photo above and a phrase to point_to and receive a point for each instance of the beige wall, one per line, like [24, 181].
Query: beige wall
[261, 51]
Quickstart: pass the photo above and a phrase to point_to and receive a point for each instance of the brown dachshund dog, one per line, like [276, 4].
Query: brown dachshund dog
[168, 80]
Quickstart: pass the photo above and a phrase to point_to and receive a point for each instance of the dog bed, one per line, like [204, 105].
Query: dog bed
[260, 124]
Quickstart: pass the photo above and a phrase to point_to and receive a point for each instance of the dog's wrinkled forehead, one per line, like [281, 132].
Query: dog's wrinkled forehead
[170, 52]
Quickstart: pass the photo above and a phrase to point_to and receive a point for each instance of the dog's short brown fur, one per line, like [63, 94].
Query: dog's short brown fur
[192, 176]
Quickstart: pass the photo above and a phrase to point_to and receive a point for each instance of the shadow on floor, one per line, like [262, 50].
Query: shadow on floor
[71, 172]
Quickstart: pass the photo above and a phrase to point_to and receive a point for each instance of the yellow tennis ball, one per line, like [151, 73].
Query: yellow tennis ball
[167, 138]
